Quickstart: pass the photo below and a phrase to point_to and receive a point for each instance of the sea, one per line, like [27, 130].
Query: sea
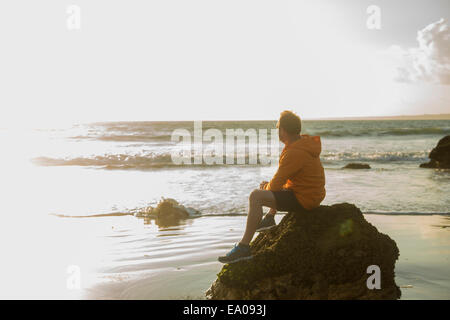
[120, 167]
[55, 178]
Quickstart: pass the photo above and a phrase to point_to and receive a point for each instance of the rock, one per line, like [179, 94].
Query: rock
[357, 166]
[440, 155]
[320, 254]
[168, 212]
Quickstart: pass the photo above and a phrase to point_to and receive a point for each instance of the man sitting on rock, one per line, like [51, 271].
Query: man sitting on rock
[298, 184]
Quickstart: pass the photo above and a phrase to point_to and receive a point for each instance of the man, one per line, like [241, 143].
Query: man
[298, 184]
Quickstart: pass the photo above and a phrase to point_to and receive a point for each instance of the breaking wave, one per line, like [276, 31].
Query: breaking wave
[381, 132]
[154, 161]
[124, 161]
[376, 157]
[162, 131]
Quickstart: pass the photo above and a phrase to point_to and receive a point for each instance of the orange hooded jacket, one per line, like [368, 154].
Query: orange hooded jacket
[301, 171]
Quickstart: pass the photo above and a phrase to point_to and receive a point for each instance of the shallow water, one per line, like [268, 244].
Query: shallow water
[122, 168]
[123, 258]
[422, 271]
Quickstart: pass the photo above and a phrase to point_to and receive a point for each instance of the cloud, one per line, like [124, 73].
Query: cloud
[430, 61]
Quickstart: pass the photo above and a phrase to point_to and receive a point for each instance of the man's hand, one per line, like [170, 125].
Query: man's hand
[263, 184]
[272, 211]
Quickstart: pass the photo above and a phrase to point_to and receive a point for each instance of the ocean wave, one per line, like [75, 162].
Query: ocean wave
[113, 161]
[100, 215]
[125, 161]
[380, 132]
[416, 131]
[162, 132]
[125, 137]
[240, 214]
[147, 137]
[154, 161]
[375, 157]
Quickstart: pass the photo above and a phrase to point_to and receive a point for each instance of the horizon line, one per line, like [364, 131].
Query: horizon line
[425, 116]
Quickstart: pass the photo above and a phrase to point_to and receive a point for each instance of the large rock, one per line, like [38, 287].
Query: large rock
[320, 254]
[440, 155]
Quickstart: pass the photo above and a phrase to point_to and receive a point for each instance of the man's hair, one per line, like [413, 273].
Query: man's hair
[290, 122]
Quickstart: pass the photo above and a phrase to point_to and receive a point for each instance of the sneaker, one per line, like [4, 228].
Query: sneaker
[238, 253]
[266, 223]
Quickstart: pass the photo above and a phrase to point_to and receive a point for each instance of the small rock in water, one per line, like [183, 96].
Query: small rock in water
[357, 166]
[168, 213]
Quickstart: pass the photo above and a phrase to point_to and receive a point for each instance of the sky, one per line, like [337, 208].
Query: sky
[83, 61]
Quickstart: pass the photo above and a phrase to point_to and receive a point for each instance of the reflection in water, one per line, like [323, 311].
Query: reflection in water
[170, 234]
[169, 231]
[163, 222]
[444, 224]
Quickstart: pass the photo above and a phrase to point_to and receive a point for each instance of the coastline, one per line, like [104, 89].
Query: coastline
[120, 257]
[189, 265]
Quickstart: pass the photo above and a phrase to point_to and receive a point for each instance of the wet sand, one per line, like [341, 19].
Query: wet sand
[120, 257]
[423, 268]
[180, 262]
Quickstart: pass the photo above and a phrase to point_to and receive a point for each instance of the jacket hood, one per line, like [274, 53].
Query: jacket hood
[310, 144]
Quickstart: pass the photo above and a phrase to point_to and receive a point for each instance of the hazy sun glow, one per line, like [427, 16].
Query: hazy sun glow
[204, 60]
